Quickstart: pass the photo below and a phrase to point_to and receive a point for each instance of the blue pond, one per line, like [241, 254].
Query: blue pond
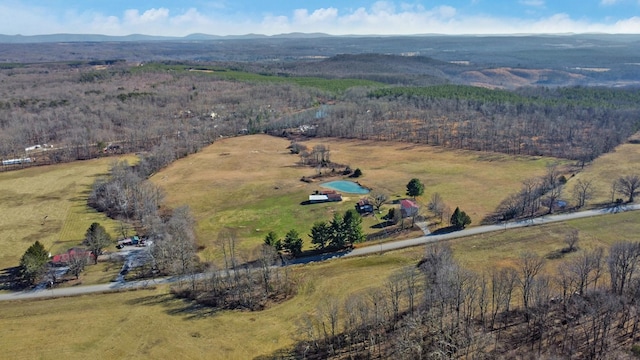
[345, 186]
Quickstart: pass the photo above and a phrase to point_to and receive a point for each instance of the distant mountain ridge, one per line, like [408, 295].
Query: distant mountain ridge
[48, 38]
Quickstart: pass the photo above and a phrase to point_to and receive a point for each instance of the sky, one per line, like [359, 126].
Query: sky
[336, 17]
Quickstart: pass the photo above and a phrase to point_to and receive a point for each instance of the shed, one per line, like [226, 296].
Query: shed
[65, 257]
[324, 196]
[408, 208]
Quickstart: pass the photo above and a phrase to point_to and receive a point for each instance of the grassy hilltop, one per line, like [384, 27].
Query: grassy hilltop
[252, 183]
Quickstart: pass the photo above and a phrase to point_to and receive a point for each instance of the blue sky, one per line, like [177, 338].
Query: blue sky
[387, 17]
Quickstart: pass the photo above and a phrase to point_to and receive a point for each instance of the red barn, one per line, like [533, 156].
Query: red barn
[64, 257]
[408, 208]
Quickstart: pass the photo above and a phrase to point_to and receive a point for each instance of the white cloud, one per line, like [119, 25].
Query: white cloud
[150, 16]
[318, 16]
[382, 17]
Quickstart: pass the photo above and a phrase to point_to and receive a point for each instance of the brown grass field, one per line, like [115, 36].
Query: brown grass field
[252, 183]
[625, 160]
[57, 192]
[151, 324]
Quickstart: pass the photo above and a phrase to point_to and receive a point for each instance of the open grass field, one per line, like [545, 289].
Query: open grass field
[251, 184]
[485, 252]
[625, 160]
[48, 204]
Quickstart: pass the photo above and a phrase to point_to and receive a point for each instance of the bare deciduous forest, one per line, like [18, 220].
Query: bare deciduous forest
[440, 309]
[82, 110]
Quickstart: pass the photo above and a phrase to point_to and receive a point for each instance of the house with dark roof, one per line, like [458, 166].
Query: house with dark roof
[408, 208]
[364, 206]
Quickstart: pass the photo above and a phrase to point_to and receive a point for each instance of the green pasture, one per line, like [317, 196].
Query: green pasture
[330, 85]
[250, 185]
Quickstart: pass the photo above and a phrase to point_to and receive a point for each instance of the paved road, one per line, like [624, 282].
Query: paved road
[367, 250]
[431, 238]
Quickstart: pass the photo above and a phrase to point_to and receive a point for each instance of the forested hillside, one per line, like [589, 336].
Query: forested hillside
[84, 109]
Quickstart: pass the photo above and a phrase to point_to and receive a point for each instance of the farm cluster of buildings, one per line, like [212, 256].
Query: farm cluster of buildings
[408, 208]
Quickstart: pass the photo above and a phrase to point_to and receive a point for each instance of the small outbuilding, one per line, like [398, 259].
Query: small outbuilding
[408, 208]
[325, 196]
[62, 259]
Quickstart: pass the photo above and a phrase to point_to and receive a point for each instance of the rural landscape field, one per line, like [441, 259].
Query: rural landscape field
[172, 197]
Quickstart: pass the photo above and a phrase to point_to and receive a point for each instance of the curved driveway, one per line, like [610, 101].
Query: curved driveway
[367, 250]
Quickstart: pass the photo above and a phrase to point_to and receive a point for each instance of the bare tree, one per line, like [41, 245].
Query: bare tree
[378, 199]
[437, 206]
[503, 284]
[530, 195]
[77, 261]
[530, 265]
[410, 277]
[395, 288]
[623, 262]
[584, 269]
[267, 257]
[571, 239]
[628, 185]
[551, 179]
[583, 191]
[553, 195]
[180, 230]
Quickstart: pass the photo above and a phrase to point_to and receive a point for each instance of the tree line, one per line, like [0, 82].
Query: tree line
[127, 195]
[575, 123]
[541, 195]
[240, 285]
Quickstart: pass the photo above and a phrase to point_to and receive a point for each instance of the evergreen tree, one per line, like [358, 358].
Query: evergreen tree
[272, 240]
[337, 232]
[415, 188]
[293, 242]
[320, 234]
[33, 263]
[460, 219]
[352, 225]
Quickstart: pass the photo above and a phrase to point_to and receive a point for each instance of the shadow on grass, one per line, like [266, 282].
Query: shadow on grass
[9, 279]
[445, 230]
[189, 310]
[559, 254]
[382, 225]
